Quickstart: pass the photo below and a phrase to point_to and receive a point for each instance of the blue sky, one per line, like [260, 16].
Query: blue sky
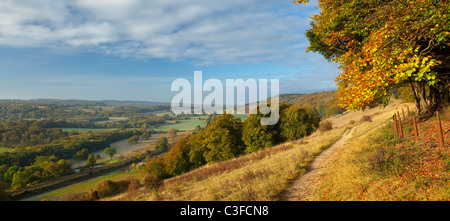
[135, 49]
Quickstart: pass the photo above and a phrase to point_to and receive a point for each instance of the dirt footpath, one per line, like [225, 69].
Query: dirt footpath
[301, 189]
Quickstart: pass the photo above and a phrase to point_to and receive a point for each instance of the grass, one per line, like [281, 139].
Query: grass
[258, 176]
[190, 124]
[265, 174]
[242, 116]
[5, 149]
[118, 118]
[384, 168]
[87, 185]
[374, 165]
[183, 125]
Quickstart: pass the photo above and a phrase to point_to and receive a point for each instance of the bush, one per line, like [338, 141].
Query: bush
[325, 126]
[152, 182]
[107, 188]
[134, 184]
[367, 118]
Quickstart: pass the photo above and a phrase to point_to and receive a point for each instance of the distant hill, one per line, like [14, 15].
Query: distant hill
[323, 103]
[82, 102]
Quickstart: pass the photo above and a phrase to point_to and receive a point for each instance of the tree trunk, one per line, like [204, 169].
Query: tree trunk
[419, 91]
[429, 99]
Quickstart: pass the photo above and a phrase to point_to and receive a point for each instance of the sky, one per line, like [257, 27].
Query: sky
[135, 49]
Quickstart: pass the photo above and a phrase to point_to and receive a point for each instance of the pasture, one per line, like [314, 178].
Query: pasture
[4, 149]
[86, 185]
[183, 125]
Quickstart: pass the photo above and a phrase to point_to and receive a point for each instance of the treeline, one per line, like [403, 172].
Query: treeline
[28, 133]
[14, 112]
[72, 112]
[84, 116]
[128, 111]
[227, 137]
[44, 168]
[325, 104]
[66, 147]
[140, 120]
[136, 122]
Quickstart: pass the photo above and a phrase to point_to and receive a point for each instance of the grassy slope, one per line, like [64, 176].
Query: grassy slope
[373, 166]
[262, 175]
[86, 185]
[382, 167]
[5, 149]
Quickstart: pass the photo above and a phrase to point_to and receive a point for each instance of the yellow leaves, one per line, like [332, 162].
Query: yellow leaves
[297, 2]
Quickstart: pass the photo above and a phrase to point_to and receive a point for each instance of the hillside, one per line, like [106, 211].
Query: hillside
[360, 158]
[265, 175]
[323, 103]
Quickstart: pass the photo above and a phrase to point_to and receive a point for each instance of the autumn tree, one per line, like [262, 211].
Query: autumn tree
[177, 159]
[156, 167]
[146, 135]
[196, 153]
[90, 162]
[83, 154]
[3, 194]
[296, 122]
[110, 151]
[8, 175]
[257, 136]
[383, 45]
[172, 132]
[133, 139]
[162, 144]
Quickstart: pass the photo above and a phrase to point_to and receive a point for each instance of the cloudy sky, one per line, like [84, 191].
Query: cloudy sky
[135, 49]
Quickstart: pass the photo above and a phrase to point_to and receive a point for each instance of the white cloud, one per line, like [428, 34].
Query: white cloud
[205, 31]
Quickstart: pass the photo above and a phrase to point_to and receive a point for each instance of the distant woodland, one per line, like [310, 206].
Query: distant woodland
[325, 104]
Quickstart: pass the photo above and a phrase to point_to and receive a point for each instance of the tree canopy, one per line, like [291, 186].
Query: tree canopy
[382, 45]
[110, 151]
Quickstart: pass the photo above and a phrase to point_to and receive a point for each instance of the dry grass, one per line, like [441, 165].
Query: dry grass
[381, 167]
[258, 176]
[265, 174]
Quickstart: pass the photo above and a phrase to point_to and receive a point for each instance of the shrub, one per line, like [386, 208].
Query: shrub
[152, 182]
[367, 118]
[107, 188]
[325, 126]
[134, 184]
[92, 195]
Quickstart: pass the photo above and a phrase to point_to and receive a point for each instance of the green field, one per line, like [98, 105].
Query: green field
[86, 185]
[242, 116]
[183, 125]
[4, 149]
[191, 123]
[162, 113]
[82, 130]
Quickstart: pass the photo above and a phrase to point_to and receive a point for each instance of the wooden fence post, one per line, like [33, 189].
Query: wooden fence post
[403, 111]
[439, 128]
[416, 132]
[400, 125]
[407, 107]
[395, 125]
